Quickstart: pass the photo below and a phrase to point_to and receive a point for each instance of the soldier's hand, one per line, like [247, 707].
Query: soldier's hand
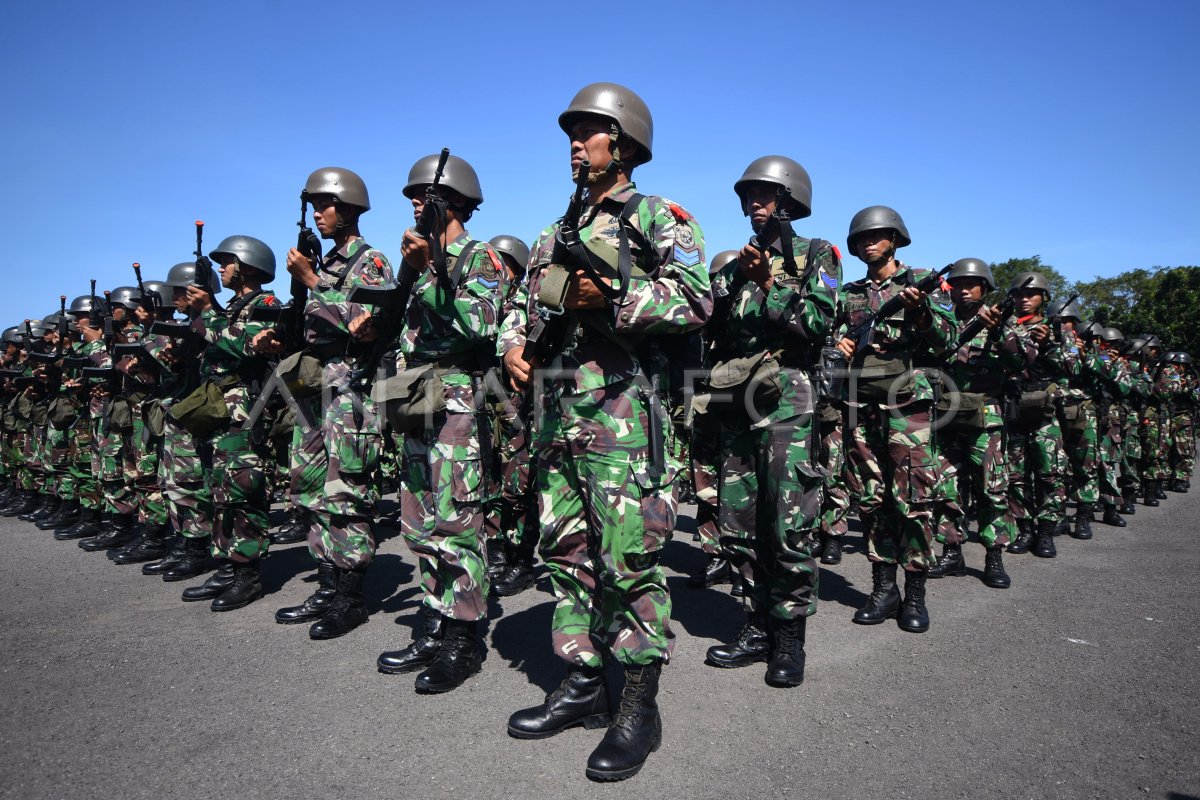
[912, 298]
[301, 268]
[415, 249]
[266, 342]
[199, 300]
[846, 347]
[990, 316]
[362, 328]
[1040, 333]
[756, 267]
[518, 369]
[583, 293]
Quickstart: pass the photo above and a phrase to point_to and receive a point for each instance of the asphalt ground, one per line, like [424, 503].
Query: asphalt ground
[1081, 681]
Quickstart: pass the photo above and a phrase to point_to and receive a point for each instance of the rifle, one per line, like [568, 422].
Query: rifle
[148, 304]
[860, 334]
[1008, 307]
[391, 305]
[204, 270]
[95, 317]
[548, 335]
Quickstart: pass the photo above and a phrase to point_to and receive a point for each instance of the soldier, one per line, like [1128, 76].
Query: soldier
[450, 326]
[512, 521]
[1182, 455]
[776, 305]
[604, 479]
[1131, 419]
[893, 466]
[990, 349]
[1155, 424]
[337, 456]
[1113, 385]
[706, 474]
[236, 480]
[1037, 463]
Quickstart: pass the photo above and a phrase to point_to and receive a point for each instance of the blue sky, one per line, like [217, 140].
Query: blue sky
[997, 130]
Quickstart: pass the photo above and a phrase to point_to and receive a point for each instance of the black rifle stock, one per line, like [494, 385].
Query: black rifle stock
[1008, 307]
[927, 284]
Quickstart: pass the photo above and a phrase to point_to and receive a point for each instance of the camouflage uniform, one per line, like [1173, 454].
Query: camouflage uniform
[1182, 457]
[1115, 384]
[894, 467]
[605, 509]
[1156, 425]
[1078, 419]
[771, 476]
[1130, 409]
[444, 478]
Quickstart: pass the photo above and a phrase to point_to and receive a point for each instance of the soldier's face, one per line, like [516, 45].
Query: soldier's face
[324, 208]
[875, 246]
[758, 202]
[1029, 301]
[590, 139]
[180, 299]
[967, 291]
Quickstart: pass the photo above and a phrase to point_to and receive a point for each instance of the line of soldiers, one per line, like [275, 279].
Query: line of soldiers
[560, 399]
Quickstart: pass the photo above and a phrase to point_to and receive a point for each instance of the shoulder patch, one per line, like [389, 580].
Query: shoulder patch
[378, 262]
[684, 237]
[269, 300]
[689, 257]
[678, 212]
[828, 279]
[497, 267]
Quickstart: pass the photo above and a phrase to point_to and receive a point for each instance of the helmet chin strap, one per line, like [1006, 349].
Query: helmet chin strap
[614, 163]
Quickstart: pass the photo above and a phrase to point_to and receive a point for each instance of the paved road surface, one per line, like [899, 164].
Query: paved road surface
[1081, 681]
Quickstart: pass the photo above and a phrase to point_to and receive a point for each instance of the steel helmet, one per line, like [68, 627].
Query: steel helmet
[1111, 334]
[781, 171]
[877, 218]
[972, 268]
[458, 175]
[345, 186]
[249, 252]
[619, 104]
[512, 247]
[183, 275]
[157, 291]
[720, 260]
[12, 336]
[127, 297]
[1038, 284]
[82, 306]
[1061, 309]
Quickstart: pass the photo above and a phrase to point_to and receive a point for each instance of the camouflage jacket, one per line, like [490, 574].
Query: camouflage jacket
[792, 320]
[227, 337]
[675, 296]
[1114, 379]
[459, 323]
[328, 313]
[897, 336]
[1053, 362]
[983, 364]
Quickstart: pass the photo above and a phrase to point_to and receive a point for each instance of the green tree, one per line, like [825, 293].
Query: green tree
[1163, 301]
[1006, 271]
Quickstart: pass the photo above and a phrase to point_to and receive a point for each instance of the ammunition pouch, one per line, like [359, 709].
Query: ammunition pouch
[971, 411]
[154, 417]
[301, 373]
[63, 413]
[1074, 414]
[120, 415]
[876, 377]
[411, 397]
[743, 387]
[1032, 407]
[203, 411]
[552, 291]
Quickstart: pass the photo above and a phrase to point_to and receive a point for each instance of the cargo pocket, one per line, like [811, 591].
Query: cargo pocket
[357, 451]
[461, 467]
[657, 506]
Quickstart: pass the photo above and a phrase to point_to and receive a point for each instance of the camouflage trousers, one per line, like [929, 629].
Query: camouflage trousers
[1155, 443]
[512, 514]
[18, 450]
[1182, 454]
[442, 488]
[184, 461]
[109, 459]
[894, 469]
[1131, 446]
[978, 453]
[58, 462]
[706, 478]
[835, 501]
[1037, 470]
[31, 457]
[1110, 444]
[336, 450]
[80, 444]
[605, 515]
[1080, 440]
[148, 494]
[240, 503]
[769, 512]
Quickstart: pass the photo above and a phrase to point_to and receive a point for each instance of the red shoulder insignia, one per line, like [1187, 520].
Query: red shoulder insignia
[270, 300]
[679, 214]
[378, 262]
[836, 253]
[495, 260]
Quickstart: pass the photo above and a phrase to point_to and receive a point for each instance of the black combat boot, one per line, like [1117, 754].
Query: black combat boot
[914, 617]
[519, 575]
[497, 558]
[951, 562]
[831, 549]
[196, 561]
[87, 525]
[46, 503]
[884, 602]
[317, 603]
[459, 657]
[737, 585]
[427, 640]
[217, 583]
[1129, 500]
[1158, 490]
[1083, 521]
[49, 510]
[295, 529]
[245, 589]
[716, 570]
[581, 699]
[993, 569]
[1177, 486]
[1111, 517]
[154, 543]
[347, 609]
[178, 546]
[116, 532]
[22, 503]
[748, 647]
[636, 728]
[786, 667]
[68, 514]
[1043, 540]
[1150, 493]
[1024, 536]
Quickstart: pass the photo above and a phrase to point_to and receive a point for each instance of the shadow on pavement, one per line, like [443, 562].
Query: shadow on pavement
[522, 639]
